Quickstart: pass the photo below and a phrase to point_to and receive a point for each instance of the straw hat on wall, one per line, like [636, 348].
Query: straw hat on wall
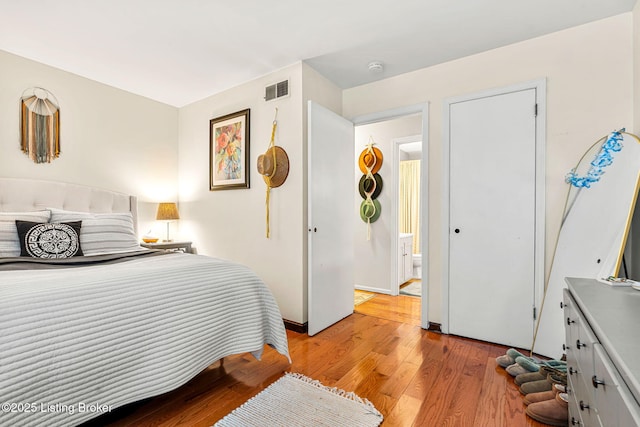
[273, 172]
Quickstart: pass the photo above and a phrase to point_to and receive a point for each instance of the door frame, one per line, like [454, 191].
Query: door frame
[540, 86]
[423, 109]
[395, 211]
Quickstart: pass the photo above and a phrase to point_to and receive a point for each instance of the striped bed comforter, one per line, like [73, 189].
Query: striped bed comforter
[76, 342]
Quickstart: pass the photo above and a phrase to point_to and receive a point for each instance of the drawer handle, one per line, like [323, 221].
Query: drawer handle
[580, 344]
[572, 371]
[596, 382]
[583, 406]
[574, 421]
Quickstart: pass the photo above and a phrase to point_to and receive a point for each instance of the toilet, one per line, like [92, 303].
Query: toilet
[417, 266]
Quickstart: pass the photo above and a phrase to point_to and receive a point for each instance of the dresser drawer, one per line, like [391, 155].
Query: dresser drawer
[580, 339]
[606, 385]
[570, 320]
[580, 413]
[584, 400]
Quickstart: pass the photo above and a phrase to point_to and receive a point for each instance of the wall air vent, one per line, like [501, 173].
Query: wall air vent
[277, 90]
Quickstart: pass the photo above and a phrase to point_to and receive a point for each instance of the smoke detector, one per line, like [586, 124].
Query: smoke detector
[376, 67]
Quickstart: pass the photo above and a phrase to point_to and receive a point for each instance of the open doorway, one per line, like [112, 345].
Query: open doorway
[377, 245]
[407, 158]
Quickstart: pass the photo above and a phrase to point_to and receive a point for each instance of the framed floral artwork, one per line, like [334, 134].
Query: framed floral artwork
[229, 151]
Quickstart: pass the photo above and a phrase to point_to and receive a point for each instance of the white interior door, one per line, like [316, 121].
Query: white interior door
[331, 218]
[492, 217]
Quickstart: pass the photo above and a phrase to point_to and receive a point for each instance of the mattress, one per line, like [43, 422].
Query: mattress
[78, 341]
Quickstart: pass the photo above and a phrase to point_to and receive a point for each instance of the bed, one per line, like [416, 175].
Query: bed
[83, 335]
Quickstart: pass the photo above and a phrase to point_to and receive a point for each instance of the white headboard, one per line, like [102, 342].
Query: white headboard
[21, 195]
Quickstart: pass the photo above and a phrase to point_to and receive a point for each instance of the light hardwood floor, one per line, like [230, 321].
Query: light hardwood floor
[414, 377]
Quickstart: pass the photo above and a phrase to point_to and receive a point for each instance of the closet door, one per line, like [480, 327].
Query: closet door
[492, 217]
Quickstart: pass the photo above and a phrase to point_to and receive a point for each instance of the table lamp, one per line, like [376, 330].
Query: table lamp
[167, 212]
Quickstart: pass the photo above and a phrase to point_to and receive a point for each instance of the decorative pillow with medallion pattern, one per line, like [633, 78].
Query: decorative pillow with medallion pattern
[49, 240]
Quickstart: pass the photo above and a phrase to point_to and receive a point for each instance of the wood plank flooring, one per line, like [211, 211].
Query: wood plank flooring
[414, 377]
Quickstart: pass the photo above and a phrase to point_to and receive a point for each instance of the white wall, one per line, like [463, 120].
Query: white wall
[373, 258]
[231, 224]
[589, 73]
[109, 138]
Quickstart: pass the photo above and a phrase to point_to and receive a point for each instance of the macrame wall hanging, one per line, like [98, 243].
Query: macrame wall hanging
[40, 125]
[273, 165]
[370, 185]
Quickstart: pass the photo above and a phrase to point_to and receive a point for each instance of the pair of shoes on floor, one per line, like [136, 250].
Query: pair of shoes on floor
[525, 365]
[529, 377]
[553, 411]
[532, 382]
[544, 395]
[509, 358]
[533, 365]
[517, 363]
[536, 387]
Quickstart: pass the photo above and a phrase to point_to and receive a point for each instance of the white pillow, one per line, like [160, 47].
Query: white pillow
[9, 240]
[102, 233]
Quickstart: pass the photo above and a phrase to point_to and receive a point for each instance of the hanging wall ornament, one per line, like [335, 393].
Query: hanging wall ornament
[603, 158]
[40, 125]
[370, 185]
[273, 165]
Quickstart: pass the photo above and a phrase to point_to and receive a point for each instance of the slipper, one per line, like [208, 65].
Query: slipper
[559, 364]
[513, 353]
[536, 387]
[515, 370]
[529, 376]
[528, 364]
[546, 370]
[534, 366]
[557, 378]
[505, 360]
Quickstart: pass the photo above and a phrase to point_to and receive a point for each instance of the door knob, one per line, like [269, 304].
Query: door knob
[457, 230]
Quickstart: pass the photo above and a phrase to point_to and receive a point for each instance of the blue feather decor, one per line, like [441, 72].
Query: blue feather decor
[603, 159]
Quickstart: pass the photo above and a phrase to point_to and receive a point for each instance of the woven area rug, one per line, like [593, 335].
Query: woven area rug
[298, 401]
[361, 296]
[413, 289]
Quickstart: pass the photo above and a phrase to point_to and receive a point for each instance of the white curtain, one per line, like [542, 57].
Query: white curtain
[409, 203]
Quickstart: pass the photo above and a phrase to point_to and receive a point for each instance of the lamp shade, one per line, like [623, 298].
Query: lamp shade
[167, 211]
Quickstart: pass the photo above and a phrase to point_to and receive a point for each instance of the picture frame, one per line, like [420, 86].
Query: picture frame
[229, 151]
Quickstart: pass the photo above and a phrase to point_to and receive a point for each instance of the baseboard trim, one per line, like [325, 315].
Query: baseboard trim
[435, 327]
[369, 289]
[295, 326]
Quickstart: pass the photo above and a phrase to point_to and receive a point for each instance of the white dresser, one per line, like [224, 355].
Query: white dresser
[602, 325]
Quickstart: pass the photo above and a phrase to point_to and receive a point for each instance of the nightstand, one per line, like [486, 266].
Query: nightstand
[170, 246]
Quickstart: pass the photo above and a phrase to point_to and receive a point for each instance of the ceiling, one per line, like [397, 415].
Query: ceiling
[178, 52]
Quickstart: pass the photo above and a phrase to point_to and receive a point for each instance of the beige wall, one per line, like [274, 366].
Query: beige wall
[589, 93]
[231, 224]
[109, 138]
